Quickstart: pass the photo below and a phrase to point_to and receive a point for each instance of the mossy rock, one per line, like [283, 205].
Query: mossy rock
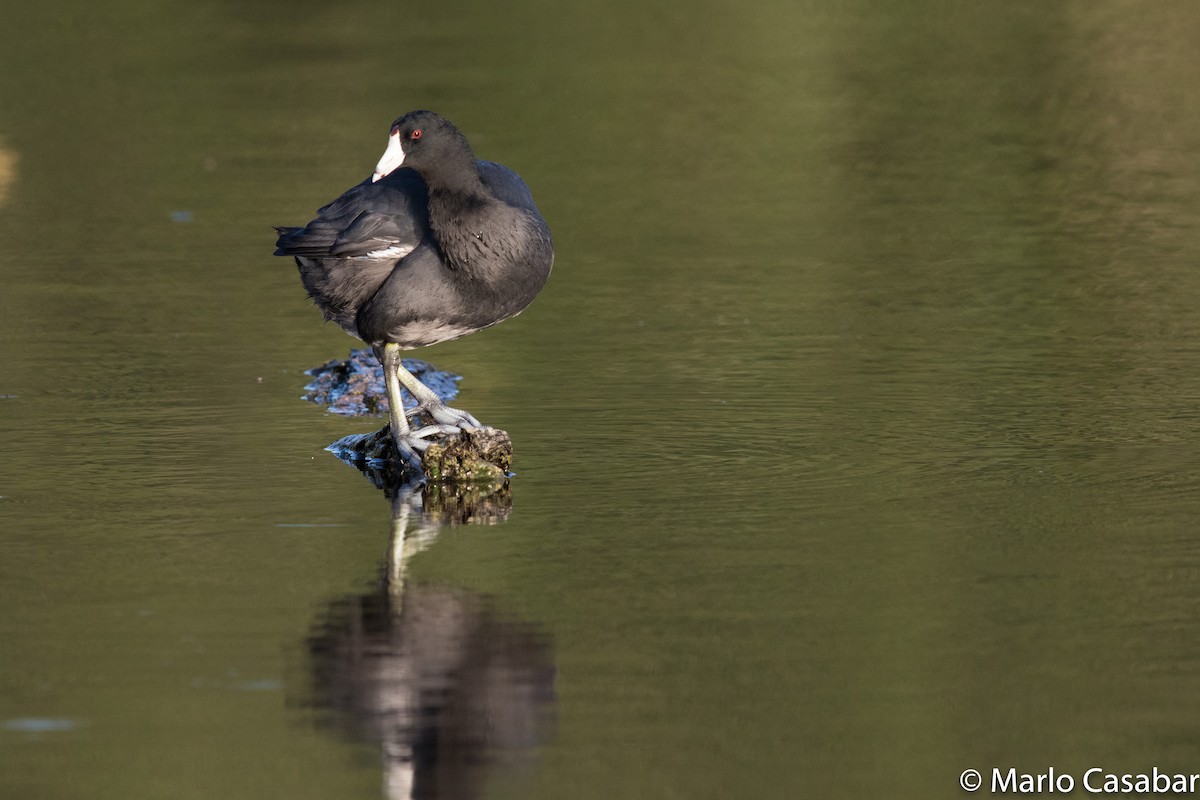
[478, 454]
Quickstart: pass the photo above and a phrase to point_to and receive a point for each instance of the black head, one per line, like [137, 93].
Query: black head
[428, 143]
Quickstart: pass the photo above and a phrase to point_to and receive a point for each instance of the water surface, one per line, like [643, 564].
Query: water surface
[855, 430]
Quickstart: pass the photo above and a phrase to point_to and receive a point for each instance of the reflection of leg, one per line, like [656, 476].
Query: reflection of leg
[400, 711]
[412, 532]
[396, 561]
[399, 770]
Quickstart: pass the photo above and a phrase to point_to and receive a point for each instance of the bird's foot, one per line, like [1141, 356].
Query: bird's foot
[417, 440]
[445, 419]
[409, 449]
[421, 436]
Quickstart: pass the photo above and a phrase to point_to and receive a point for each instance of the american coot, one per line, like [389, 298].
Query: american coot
[433, 246]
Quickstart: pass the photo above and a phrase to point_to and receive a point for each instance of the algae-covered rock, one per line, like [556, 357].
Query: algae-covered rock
[476, 454]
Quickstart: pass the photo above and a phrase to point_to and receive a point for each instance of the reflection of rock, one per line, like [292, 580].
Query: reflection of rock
[355, 387]
[8, 172]
[447, 686]
[476, 503]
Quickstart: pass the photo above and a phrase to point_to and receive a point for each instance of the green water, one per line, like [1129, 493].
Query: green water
[855, 431]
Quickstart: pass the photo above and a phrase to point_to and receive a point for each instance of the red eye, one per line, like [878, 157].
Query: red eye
[415, 134]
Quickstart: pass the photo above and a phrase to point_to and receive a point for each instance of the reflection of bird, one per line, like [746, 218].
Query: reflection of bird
[8, 171]
[435, 245]
[450, 689]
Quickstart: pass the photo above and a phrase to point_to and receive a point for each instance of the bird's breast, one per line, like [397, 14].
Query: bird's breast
[421, 333]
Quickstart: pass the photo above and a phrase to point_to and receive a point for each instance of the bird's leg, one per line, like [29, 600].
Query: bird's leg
[445, 418]
[389, 359]
[407, 444]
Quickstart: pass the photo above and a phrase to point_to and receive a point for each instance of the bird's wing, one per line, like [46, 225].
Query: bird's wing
[505, 184]
[386, 219]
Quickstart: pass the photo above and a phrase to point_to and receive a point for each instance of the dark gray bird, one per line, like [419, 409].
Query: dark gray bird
[433, 246]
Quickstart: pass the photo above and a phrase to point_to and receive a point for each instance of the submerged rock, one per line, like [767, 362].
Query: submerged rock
[354, 386]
